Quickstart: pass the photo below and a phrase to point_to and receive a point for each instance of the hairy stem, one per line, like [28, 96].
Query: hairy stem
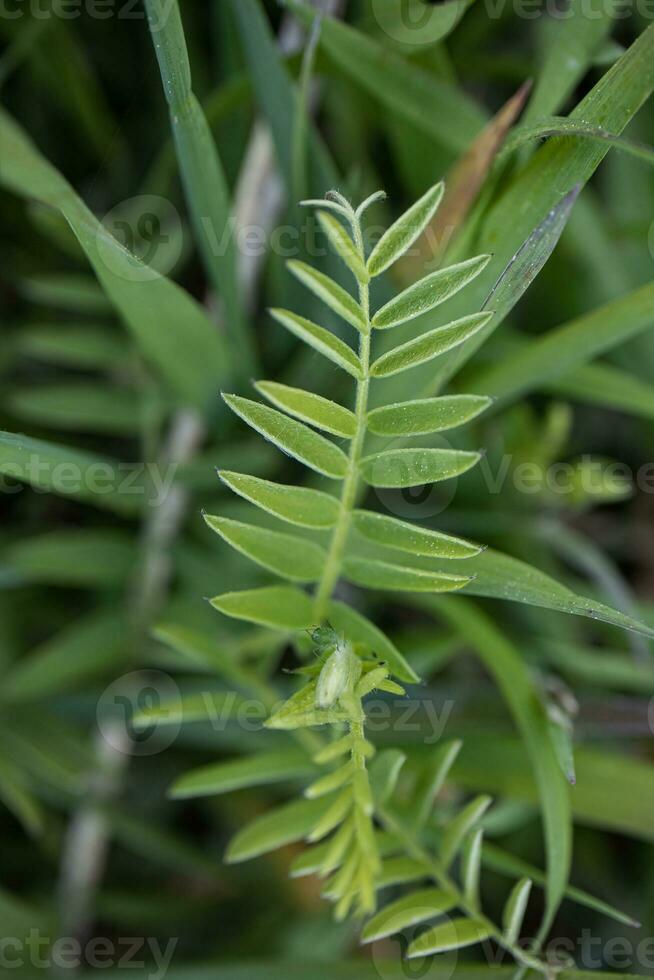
[335, 554]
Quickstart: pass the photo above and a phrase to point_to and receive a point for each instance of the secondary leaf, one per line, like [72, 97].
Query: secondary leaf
[254, 770]
[433, 779]
[314, 409]
[514, 910]
[382, 575]
[428, 293]
[404, 232]
[385, 771]
[401, 871]
[471, 867]
[321, 340]
[410, 910]
[341, 242]
[429, 345]
[361, 630]
[512, 677]
[415, 467]
[336, 298]
[403, 536]
[274, 829]
[292, 437]
[297, 505]
[280, 607]
[452, 934]
[286, 555]
[426, 415]
[460, 826]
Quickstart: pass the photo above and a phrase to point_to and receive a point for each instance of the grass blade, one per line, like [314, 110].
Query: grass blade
[204, 182]
[170, 328]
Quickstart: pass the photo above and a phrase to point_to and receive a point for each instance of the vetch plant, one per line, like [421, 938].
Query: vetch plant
[287, 425]
[359, 840]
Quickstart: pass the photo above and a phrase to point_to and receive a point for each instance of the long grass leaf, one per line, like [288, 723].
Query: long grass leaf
[202, 173]
[170, 328]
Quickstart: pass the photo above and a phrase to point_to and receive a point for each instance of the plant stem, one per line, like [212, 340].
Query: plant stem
[341, 530]
[441, 877]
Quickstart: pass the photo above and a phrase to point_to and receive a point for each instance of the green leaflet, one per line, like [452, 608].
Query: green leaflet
[428, 293]
[459, 827]
[280, 607]
[172, 330]
[274, 829]
[294, 558]
[254, 770]
[471, 867]
[397, 239]
[382, 575]
[505, 863]
[320, 339]
[414, 467]
[336, 298]
[403, 536]
[426, 415]
[385, 771]
[343, 245]
[433, 779]
[410, 910]
[361, 630]
[297, 505]
[292, 437]
[310, 861]
[401, 871]
[507, 667]
[514, 910]
[314, 409]
[453, 934]
[429, 345]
